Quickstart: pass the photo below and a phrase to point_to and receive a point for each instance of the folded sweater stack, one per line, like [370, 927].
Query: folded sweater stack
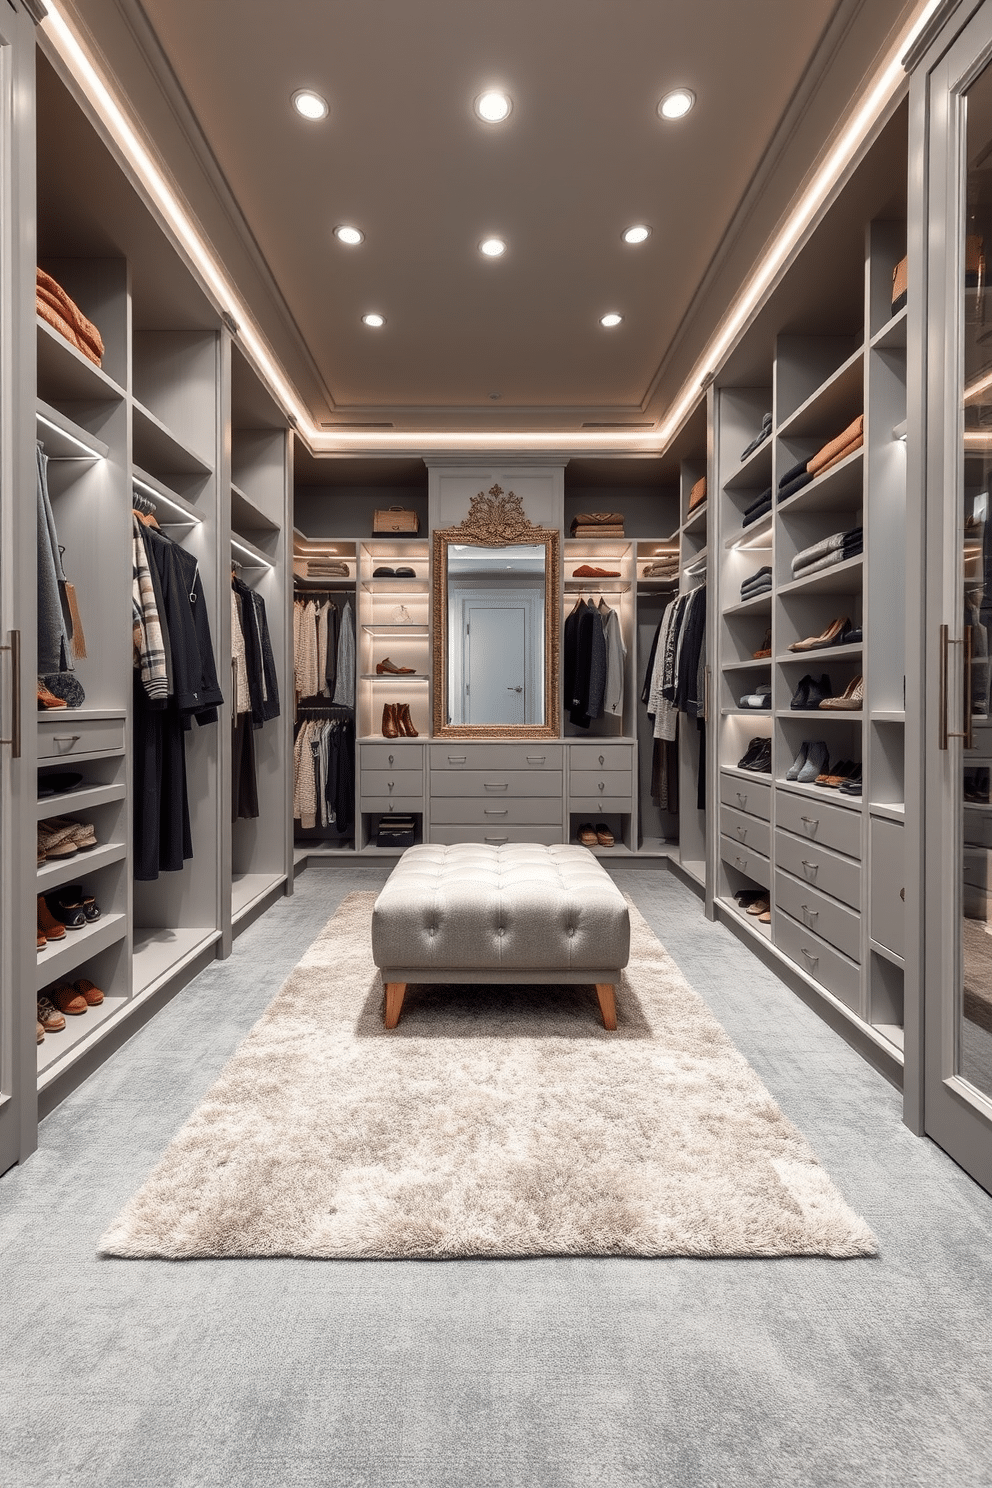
[64, 315]
[759, 583]
[758, 508]
[760, 437]
[597, 524]
[834, 549]
[831, 454]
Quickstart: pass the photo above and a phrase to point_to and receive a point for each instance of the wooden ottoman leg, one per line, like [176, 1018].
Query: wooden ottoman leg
[395, 992]
[607, 1004]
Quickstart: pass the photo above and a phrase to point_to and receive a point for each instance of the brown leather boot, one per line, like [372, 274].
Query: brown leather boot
[405, 722]
[390, 723]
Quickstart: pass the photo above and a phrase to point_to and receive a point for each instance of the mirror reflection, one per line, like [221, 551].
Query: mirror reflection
[496, 618]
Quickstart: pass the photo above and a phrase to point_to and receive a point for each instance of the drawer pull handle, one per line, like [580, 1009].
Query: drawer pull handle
[811, 822]
[536, 759]
[602, 785]
[742, 800]
[454, 759]
[741, 863]
[813, 868]
[497, 839]
[810, 914]
[742, 833]
[602, 759]
[486, 785]
[390, 783]
[66, 738]
[495, 810]
[392, 758]
[813, 960]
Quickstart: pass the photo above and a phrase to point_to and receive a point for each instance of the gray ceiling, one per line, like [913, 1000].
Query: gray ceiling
[402, 155]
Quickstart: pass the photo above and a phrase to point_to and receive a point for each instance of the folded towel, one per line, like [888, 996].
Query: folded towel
[88, 338]
[759, 439]
[597, 519]
[848, 449]
[766, 495]
[798, 469]
[855, 430]
[757, 514]
[796, 484]
[818, 550]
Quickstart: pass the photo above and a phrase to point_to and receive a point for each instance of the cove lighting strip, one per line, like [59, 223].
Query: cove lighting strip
[880, 92]
[158, 500]
[255, 560]
[89, 453]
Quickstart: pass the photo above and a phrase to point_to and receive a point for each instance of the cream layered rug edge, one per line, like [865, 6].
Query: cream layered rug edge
[498, 1123]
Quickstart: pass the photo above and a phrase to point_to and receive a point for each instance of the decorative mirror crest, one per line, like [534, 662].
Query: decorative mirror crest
[496, 519]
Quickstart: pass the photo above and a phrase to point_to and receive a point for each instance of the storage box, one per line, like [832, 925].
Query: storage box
[396, 519]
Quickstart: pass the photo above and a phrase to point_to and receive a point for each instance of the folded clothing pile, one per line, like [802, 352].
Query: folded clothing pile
[760, 437]
[758, 508]
[831, 454]
[834, 549]
[663, 568]
[597, 524]
[759, 583]
[326, 568]
[64, 315]
[900, 284]
[698, 494]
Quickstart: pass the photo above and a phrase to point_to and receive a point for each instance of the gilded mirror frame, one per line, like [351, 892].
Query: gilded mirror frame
[496, 520]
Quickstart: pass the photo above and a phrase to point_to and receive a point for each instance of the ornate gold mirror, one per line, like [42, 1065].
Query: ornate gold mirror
[497, 624]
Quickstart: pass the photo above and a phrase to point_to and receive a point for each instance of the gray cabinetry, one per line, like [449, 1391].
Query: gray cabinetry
[496, 793]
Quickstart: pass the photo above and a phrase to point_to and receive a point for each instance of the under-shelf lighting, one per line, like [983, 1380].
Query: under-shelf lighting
[156, 496]
[255, 559]
[899, 431]
[88, 451]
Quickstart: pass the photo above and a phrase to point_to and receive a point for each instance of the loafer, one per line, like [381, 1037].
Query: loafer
[587, 835]
[405, 573]
[70, 913]
[59, 783]
[90, 991]
[68, 1000]
[384, 573]
[604, 836]
[76, 894]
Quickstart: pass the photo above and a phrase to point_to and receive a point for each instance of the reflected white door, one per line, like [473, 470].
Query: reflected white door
[495, 663]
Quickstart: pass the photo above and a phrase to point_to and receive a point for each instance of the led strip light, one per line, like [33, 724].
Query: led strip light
[880, 92]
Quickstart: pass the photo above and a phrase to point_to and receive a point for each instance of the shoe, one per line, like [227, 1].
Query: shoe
[405, 573]
[63, 908]
[851, 787]
[48, 925]
[852, 636]
[810, 692]
[849, 700]
[761, 764]
[384, 573]
[587, 835]
[90, 991]
[745, 897]
[386, 665]
[55, 841]
[42, 939]
[68, 1000]
[750, 752]
[81, 833]
[76, 894]
[760, 906]
[792, 773]
[817, 760]
[41, 1034]
[765, 917]
[390, 728]
[829, 637]
[604, 836]
[837, 775]
[49, 1016]
[59, 783]
[589, 571]
[47, 700]
[765, 648]
[404, 722]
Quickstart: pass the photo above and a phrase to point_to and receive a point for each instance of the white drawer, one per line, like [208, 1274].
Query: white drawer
[752, 864]
[496, 784]
[600, 756]
[746, 795]
[393, 783]
[830, 920]
[748, 831]
[819, 961]
[497, 836]
[392, 756]
[535, 811]
[818, 821]
[819, 868]
[520, 756]
[61, 737]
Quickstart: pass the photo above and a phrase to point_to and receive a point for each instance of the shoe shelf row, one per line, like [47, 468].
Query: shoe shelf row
[828, 861]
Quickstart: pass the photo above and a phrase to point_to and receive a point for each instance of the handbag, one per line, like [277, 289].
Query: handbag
[396, 519]
[900, 283]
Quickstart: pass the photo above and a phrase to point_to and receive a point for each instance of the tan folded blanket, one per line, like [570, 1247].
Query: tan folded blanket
[597, 519]
[842, 455]
[698, 494]
[827, 454]
[87, 338]
[56, 320]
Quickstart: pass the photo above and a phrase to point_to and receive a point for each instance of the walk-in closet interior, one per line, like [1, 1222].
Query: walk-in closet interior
[738, 634]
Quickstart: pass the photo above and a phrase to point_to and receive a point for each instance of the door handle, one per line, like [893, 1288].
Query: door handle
[14, 647]
[497, 840]
[536, 759]
[967, 733]
[514, 689]
[66, 738]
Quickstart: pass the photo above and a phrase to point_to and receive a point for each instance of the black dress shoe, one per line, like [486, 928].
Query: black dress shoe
[64, 908]
[801, 694]
[818, 691]
[405, 573]
[852, 635]
[384, 573]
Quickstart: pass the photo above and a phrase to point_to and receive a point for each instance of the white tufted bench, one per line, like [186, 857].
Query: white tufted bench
[519, 913]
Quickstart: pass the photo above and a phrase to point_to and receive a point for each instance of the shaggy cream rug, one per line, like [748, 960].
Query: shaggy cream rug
[492, 1122]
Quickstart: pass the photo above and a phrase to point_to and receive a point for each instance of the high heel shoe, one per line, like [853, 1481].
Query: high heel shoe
[850, 699]
[829, 637]
[390, 725]
[404, 722]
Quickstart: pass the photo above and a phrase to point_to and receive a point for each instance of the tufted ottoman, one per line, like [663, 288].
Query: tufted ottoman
[519, 913]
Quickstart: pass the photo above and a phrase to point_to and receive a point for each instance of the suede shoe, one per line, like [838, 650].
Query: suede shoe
[817, 760]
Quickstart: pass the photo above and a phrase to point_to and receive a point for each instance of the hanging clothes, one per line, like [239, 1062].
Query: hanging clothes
[585, 664]
[344, 687]
[674, 683]
[324, 771]
[161, 822]
[616, 653]
[54, 617]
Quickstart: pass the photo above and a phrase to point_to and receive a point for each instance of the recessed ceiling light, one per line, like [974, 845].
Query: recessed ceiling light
[493, 107]
[310, 104]
[638, 234]
[676, 105]
[349, 235]
[374, 320]
[492, 247]
[611, 320]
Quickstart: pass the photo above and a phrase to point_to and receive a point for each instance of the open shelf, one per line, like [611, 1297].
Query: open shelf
[248, 888]
[892, 335]
[392, 677]
[754, 473]
[827, 793]
[748, 539]
[66, 870]
[840, 489]
[84, 799]
[891, 810]
[748, 666]
[248, 555]
[159, 954]
[62, 956]
[79, 1029]
[65, 440]
[394, 628]
[829, 407]
[751, 921]
[157, 446]
[246, 516]
[751, 606]
[64, 373]
[822, 654]
[842, 578]
[161, 495]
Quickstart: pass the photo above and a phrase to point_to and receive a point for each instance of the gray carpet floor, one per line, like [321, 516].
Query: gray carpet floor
[524, 1374]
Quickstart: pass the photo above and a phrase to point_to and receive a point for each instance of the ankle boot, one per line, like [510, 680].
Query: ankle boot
[390, 723]
[404, 722]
